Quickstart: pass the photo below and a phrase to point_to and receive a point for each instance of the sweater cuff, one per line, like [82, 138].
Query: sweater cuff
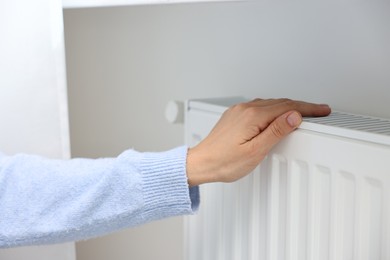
[165, 185]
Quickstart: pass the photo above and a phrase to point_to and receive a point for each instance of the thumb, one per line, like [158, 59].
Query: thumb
[277, 130]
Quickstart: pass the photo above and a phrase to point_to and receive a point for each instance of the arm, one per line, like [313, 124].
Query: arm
[46, 201]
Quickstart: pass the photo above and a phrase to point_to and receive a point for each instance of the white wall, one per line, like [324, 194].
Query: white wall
[125, 64]
[33, 103]
[33, 106]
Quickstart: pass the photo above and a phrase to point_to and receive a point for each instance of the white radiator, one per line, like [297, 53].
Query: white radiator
[322, 193]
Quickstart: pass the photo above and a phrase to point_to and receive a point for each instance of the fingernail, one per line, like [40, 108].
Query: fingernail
[294, 119]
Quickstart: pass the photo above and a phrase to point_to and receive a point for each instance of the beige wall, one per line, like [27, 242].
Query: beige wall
[124, 64]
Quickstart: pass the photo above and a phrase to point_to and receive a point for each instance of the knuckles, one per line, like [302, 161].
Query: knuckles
[239, 107]
[251, 112]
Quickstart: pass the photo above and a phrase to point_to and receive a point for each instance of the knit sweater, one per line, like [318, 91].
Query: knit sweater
[44, 201]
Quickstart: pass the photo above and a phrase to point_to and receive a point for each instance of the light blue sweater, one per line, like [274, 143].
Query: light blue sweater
[44, 201]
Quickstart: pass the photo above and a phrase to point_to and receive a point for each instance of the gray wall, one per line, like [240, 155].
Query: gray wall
[125, 63]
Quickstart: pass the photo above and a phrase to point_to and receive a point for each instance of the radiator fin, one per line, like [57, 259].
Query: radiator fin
[345, 221]
[319, 213]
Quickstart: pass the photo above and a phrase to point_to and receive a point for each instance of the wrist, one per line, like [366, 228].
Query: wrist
[199, 168]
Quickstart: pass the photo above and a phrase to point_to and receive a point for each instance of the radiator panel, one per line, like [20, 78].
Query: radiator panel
[318, 195]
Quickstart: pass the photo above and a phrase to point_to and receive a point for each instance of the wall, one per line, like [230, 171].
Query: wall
[126, 63]
[33, 107]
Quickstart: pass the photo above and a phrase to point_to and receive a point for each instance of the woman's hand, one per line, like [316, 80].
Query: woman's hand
[243, 136]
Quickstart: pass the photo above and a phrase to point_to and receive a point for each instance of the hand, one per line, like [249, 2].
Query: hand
[243, 136]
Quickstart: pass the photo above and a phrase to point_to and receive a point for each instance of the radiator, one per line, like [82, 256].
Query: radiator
[322, 193]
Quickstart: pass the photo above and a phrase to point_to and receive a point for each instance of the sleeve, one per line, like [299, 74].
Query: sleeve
[44, 201]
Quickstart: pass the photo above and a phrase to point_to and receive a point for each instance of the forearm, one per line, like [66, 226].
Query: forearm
[47, 201]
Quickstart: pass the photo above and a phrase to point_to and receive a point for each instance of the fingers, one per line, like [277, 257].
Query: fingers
[277, 130]
[276, 107]
[305, 108]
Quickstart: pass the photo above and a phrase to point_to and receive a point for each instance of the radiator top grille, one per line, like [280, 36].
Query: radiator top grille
[358, 127]
[350, 125]
[355, 122]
